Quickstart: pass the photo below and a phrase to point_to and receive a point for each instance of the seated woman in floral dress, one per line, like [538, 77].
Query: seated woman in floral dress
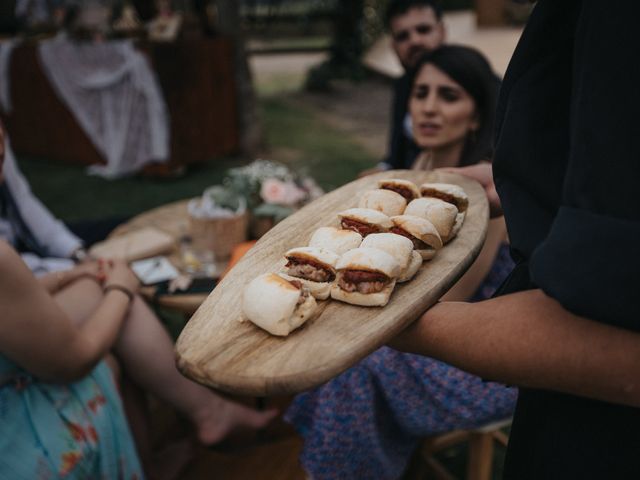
[367, 422]
[60, 410]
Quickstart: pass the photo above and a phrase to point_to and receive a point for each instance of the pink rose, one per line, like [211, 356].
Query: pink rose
[273, 191]
[293, 195]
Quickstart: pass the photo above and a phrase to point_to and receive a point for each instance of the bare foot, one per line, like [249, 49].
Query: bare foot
[223, 418]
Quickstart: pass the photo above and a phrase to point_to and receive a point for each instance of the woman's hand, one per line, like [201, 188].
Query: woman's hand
[93, 269]
[483, 174]
[119, 273]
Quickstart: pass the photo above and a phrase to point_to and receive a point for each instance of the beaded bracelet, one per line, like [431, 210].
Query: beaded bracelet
[120, 288]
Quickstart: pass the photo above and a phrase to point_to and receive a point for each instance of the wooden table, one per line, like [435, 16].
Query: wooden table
[174, 220]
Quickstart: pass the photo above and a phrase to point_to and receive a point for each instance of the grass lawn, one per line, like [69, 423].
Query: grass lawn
[295, 136]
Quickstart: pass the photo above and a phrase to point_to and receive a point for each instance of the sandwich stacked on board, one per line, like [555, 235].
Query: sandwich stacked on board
[382, 242]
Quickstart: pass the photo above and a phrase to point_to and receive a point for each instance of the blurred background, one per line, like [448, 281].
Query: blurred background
[303, 82]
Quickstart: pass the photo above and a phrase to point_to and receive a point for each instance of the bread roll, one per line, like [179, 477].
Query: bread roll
[395, 245]
[456, 227]
[414, 265]
[271, 302]
[370, 259]
[419, 229]
[337, 240]
[440, 213]
[385, 201]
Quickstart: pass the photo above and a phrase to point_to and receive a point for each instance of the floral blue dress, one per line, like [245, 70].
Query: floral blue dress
[366, 422]
[52, 431]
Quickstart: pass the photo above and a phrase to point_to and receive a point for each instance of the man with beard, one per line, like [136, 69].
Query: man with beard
[416, 27]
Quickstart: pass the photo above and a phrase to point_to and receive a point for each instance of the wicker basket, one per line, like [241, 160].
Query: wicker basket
[218, 235]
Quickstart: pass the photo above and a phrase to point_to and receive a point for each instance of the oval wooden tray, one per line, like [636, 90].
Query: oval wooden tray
[217, 350]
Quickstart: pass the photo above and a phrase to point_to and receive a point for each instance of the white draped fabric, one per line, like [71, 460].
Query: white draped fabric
[112, 91]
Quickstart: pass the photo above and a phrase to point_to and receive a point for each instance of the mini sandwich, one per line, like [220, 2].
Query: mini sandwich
[397, 246]
[400, 247]
[314, 267]
[456, 227]
[403, 187]
[364, 221]
[438, 212]
[450, 193]
[412, 268]
[366, 277]
[385, 201]
[335, 240]
[423, 235]
[277, 305]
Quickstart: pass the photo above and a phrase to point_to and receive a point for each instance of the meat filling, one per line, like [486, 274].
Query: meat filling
[304, 292]
[417, 243]
[363, 281]
[405, 192]
[309, 270]
[363, 229]
[445, 197]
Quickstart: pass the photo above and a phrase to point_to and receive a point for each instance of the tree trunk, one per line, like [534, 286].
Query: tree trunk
[251, 133]
[347, 43]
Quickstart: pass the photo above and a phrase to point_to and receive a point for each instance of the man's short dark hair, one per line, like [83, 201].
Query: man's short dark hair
[400, 7]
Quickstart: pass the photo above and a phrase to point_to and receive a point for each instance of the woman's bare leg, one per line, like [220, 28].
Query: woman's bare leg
[146, 352]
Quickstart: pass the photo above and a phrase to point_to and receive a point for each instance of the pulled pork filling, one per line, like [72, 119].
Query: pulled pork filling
[309, 270]
[445, 197]
[363, 281]
[304, 292]
[363, 229]
[417, 243]
[405, 192]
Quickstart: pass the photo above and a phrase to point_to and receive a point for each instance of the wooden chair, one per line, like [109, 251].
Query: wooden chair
[480, 457]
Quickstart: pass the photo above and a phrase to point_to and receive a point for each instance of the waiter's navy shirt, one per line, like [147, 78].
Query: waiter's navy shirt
[567, 168]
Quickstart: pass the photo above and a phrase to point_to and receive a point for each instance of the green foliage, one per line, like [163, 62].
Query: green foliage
[277, 212]
[312, 147]
[225, 197]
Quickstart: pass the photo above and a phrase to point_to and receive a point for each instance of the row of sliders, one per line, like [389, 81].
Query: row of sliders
[361, 262]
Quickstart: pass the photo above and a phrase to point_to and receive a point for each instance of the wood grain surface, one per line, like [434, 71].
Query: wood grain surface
[217, 350]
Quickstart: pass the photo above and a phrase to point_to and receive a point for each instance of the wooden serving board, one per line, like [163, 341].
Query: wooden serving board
[217, 350]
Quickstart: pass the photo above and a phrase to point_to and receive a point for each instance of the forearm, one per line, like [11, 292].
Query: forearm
[464, 289]
[56, 281]
[100, 331]
[527, 339]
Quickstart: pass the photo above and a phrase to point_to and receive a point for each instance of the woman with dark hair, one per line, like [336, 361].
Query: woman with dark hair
[456, 76]
[366, 422]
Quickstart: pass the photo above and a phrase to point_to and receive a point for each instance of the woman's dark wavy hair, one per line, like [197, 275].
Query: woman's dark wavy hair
[469, 68]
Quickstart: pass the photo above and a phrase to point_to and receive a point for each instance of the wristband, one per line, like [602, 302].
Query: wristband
[120, 288]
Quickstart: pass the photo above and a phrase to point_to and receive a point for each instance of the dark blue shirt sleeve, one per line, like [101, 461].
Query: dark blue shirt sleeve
[590, 261]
